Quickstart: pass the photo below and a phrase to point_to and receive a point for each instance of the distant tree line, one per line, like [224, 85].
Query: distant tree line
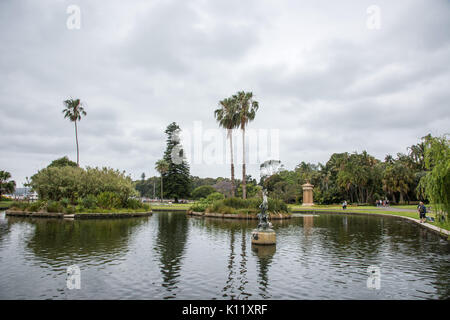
[355, 177]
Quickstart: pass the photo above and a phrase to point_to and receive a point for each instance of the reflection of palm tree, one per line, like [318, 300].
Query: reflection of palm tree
[74, 110]
[170, 245]
[243, 269]
[230, 279]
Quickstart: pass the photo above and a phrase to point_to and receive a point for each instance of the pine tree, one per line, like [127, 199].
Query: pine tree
[177, 179]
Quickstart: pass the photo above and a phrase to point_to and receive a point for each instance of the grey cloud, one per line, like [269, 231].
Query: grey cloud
[140, 65]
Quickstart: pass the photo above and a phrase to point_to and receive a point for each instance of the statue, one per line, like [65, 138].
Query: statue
[264, 233]
[263, 217]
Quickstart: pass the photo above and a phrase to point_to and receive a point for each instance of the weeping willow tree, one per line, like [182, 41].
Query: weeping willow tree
[435, 185]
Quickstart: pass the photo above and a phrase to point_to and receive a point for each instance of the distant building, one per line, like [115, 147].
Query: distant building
[24, 193]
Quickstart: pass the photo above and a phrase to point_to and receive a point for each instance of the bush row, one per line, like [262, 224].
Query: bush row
[104, 200]
[213, 203]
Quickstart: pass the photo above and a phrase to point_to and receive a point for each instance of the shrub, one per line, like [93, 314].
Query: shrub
[37, 206]
[54, 206]
[133, 203]
[215, 196]
[251, 205]
[19, 205]
[200, 206]
[89, 202]
[55, 183]
[69, 210]
[65, 202]
[108, 200]
[202, 192]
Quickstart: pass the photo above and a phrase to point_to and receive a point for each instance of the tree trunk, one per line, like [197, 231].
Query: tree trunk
[233, 184]
[244, 182]
[161, 188]
[76, 138]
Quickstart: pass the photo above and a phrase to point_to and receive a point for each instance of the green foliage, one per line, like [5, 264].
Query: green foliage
[215, 196]
[19, 205]
[62, 162]
[176, 179]
[37, 206]
[133, 204]
[54, 206]
[88, 202]
[69, 210]
[149, 187]
[200, 206]
[55, 183]
[436, 182]
[6, 186]
[109, 200]
[238, 205]
[202, 192]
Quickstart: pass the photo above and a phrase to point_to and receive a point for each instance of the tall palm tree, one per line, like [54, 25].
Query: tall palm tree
[228, 118]
[74, 110]
[247, 108]
[162, 166]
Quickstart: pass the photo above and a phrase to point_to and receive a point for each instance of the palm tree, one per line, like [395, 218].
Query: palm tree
[247, 108]
[162, 166]
[74, 110]
[228, 118]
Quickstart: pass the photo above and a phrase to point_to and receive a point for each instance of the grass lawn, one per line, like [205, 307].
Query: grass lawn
[371, 209]
[176, 206]
[5, 204]
[125, 210]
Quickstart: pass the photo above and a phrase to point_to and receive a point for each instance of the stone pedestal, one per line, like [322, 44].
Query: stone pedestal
[263, 237]
[308, 194]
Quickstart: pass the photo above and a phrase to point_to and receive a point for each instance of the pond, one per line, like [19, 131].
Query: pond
[172, 256]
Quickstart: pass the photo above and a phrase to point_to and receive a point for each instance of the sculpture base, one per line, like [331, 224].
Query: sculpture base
[264, 237]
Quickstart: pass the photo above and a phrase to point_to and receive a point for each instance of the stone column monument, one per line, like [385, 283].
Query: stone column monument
[308, 194]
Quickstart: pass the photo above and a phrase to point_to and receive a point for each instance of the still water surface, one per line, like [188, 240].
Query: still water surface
[172, 256]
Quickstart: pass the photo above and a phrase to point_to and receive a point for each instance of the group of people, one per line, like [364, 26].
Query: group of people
[382, 203]
[421, 209]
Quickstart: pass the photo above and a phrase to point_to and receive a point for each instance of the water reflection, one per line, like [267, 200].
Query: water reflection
[60, 242]
[171, 256]
[265, 255]
[170, 246]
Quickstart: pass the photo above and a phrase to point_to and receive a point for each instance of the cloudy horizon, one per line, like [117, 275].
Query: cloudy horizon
[324, 79]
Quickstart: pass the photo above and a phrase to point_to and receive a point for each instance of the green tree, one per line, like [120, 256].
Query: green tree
[436, 182]
[62, 162]
[162, 167]
[202, 192]
[6, 185]
[73, 111]
[55, 183]
[247, 108]
[177, 179]
[228, 118]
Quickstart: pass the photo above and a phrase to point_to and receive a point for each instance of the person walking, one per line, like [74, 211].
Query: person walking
[422, 212]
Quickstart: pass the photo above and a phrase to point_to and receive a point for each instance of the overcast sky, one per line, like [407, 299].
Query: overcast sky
[324, 79]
